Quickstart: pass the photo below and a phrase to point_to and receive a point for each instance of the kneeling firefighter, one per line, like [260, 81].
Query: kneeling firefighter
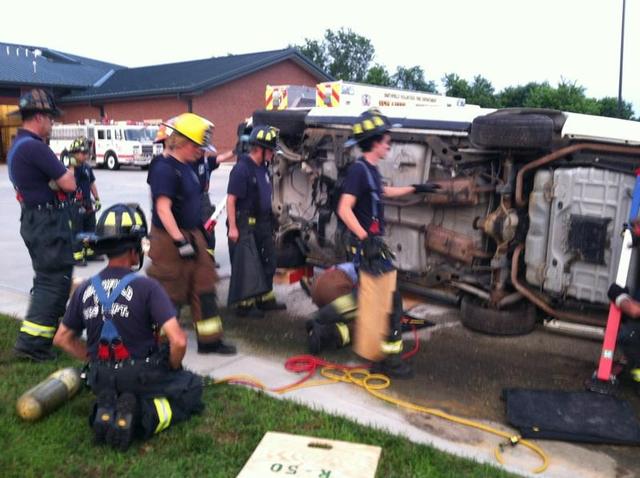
[140, 385]
[334, 293]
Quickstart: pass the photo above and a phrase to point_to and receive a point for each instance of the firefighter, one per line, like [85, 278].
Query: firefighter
[334, 294]
[361, 209]
[178, 246]
[249, 212]
[140, 386]
[85, 206]
[42, 184]
[629, 335]
[204, 166]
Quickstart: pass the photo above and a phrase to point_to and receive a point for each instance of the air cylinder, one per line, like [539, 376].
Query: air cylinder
[48, 395]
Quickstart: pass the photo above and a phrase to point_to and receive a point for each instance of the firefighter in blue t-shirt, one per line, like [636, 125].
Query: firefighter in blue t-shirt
[362, 211]
[42, 184]
[178, 246]
[140, 386]
[249, 213]
[87, 201]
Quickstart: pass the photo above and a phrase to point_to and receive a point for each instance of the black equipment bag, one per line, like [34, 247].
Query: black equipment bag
[247, 275]
[572, 416]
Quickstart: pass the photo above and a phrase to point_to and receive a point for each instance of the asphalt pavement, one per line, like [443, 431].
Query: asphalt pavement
[458, 371]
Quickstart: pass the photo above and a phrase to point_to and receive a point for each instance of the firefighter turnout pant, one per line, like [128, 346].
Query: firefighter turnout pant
[392, 343]
[165, 396]
[188, 281]
[46, 232]
[261, 226]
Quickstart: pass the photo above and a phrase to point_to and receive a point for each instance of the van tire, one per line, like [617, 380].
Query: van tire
[512, 131]
[111, 161]
[516, 320]
[289, 122]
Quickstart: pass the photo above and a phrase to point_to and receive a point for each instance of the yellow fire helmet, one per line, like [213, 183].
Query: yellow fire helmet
[194, 127]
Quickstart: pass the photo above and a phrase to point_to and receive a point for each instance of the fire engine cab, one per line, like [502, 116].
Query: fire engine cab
[114, 144]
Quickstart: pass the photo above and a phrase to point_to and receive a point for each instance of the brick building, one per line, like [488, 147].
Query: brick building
[225, 90]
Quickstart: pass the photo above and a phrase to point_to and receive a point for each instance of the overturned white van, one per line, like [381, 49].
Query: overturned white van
[527, 224]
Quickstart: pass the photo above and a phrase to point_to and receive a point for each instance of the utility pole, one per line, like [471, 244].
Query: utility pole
[624, 4]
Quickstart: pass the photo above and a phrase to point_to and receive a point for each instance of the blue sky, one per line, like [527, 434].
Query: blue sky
[509, 42]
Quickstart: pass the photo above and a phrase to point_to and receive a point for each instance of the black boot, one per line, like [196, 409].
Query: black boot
[217, 347]
[35, 354]
[120, 434]
[393, 366]
[104, 415]
[321, 336]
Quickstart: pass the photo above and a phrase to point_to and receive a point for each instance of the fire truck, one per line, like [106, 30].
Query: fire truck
[344, 93]
[114, 144]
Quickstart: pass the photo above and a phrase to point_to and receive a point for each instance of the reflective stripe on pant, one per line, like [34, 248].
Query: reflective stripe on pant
[163, 410]
[37, 330]
[47, 235]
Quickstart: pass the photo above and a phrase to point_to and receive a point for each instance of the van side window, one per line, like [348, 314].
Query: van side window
[101, 134]
[118, 134]
[108, 134]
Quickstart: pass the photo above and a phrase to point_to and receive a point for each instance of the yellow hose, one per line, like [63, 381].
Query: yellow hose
[374, 383]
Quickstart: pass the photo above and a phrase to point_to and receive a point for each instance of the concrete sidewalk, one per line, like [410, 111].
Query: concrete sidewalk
[355, 403]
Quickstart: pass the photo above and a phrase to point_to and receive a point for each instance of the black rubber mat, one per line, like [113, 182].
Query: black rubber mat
[572, 416]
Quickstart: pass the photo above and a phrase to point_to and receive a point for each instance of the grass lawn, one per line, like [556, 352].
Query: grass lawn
[214, 444]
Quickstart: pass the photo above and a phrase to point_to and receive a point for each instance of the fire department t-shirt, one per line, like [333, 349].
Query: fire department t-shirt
[177, 181]
[84, 179]
[141, 306]
[32, 167]
[251, 185]
[357, 184]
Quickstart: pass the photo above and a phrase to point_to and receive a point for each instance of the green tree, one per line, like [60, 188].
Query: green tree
[479, 92]
[344, 54]
[350, 54]
[412, 79]
[455, 86]
[378, 75]
[568, 96]
[609, 107]
[515, 96]
[482, 93]
[315, 52]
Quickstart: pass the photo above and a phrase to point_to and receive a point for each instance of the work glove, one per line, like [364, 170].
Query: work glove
[376, 256]
[97, 205]
[428, 187]
[617, 294]
[185, 249]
